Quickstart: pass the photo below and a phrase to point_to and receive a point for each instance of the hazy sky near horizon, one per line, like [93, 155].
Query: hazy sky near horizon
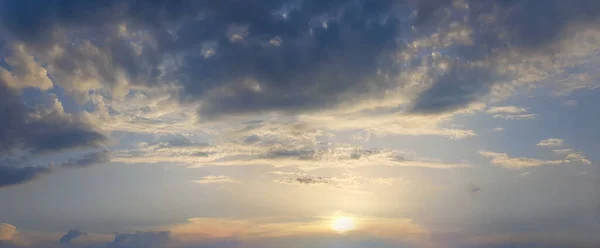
[299, 123]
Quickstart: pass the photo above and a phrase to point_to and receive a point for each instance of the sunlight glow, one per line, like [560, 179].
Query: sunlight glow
[343, 224]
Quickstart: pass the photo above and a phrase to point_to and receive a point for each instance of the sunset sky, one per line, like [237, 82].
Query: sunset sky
[299, 123]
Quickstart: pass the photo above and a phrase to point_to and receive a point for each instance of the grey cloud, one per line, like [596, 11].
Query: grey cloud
[71, 235]
[12, 175]
[456, 88]
[89, 159]
[41, 130]
[285, 56]
[251, 139]
[328, 51]
[19, 170]
[312, 180]
[141, 240]
[474, 188]
[528, 28]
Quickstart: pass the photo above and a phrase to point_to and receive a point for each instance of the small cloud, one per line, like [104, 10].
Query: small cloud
[474, 188]
[578, 157]
[275, 41]
[524, 174]
[506, 110]
[515, 117]
[563, 151]
[510, 113]
[140, 239]
[311, 180]
[550, 142]
[216, 180]
[71, 235]
[498, 129]
[388, 181]
[571, 103]
[292, 178]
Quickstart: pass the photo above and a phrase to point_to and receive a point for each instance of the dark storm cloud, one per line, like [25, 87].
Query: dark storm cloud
[71, 235]
[243, 57]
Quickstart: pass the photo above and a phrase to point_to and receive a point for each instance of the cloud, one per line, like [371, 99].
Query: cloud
[285, 145]
[506, 161]
[563, 151]
[88, 159]
[516, 117]
[278, 83]
[232, 62]
[510, 113]
[498, 129]
[348, 181]
[42, 129]
[334, 53]
[21, 168]
[216, 180]
[550, 143]
[579, 158]
[474, 188]
[25, 71]
[575, 82]
[571, 103]
[71, 235]
[12, 175]
[506, 110]
[141, 239]
[7, 231]
[303, 179]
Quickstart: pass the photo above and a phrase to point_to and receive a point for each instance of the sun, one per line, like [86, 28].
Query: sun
[343, 224]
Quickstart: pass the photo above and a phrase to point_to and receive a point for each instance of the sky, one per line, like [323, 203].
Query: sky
[299, 123]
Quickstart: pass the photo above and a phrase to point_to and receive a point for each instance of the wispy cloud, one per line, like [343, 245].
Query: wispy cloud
[509, 162]
[506, 161]
[506, 110]
[216, 180]
[551, 142]
[498, 129]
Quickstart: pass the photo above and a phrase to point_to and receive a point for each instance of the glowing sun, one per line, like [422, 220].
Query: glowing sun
[343, 224]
